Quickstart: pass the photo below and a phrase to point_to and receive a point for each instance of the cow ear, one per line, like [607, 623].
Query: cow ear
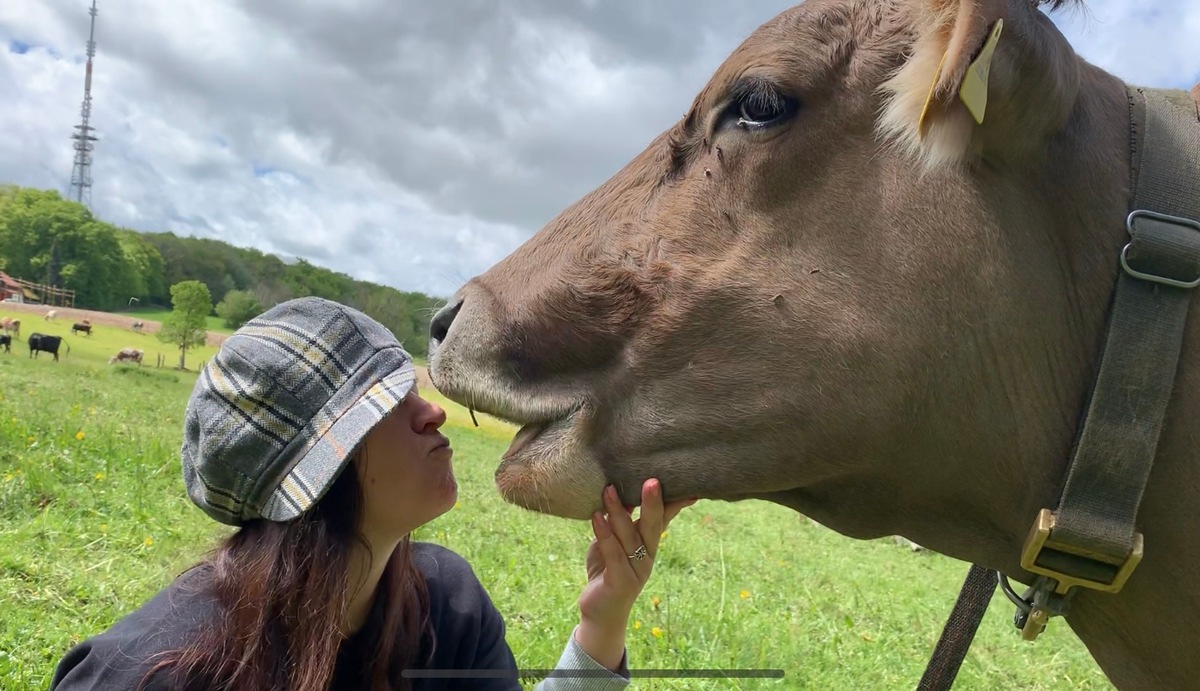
[975, 68]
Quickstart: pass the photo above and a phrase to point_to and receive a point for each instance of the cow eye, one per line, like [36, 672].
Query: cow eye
[761, 104]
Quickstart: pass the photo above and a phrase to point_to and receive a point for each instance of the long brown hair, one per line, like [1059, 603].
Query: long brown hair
[281, 591]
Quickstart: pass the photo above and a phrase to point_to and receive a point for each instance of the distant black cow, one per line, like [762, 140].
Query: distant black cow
[6, 341]
[81, 326]
[44, 343]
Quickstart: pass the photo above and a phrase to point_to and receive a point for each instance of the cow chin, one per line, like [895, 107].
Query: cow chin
[547, 469]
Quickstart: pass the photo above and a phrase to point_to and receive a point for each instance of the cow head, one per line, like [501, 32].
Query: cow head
[827, 285]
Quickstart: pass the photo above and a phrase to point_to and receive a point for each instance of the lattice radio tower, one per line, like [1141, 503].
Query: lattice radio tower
[81, 172]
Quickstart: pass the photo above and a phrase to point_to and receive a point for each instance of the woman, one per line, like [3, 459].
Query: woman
[320, 587]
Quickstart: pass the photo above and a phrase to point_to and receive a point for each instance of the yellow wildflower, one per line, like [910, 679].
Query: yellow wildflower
[79, 435]
[100, 476]
[664, 533]
[148, 541]
[655, 601]
[656, 632]
[745, 594]
[104, 527]
[457, 504]
[637, 624]
[8, 477]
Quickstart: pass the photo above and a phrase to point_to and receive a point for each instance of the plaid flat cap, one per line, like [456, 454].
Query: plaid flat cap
[275, 415]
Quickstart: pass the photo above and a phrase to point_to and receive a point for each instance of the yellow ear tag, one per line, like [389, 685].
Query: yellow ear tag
[973, 91]
[929, 98]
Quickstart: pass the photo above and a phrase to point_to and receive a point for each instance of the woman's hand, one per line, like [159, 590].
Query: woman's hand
[619, 562]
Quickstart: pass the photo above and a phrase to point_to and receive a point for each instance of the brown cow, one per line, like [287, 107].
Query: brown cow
[11, 326]
[816, 291]
[83, 326]
[127, 355]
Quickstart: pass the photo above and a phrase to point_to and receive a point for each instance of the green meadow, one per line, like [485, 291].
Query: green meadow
[215, 323]
[94, 520]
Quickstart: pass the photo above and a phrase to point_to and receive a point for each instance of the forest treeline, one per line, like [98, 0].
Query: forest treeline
[47, 239]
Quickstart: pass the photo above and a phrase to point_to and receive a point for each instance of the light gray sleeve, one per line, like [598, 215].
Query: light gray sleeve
[581, 673]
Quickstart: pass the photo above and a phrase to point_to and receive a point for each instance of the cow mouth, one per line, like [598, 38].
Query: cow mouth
[524, 437]
[547, 466]
[537, 414]
[537, 438]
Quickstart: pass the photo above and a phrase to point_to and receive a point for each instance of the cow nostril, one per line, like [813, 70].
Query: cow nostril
[440, 326]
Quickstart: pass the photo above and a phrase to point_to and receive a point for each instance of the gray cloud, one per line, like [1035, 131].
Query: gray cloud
[411, 143]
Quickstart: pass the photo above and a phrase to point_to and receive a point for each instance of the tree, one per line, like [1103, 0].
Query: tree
[48, 239]
[185, 326]
[146, 266]
[238, 307]
[43, 236]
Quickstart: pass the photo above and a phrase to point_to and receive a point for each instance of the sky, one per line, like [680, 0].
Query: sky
[407, 143]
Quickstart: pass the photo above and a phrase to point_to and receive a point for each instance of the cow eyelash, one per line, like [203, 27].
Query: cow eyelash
[756, 103]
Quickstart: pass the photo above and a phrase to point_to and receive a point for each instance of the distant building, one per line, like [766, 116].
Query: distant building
[10, 289]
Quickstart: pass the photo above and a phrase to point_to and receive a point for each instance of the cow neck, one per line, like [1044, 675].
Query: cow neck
[1090, 539]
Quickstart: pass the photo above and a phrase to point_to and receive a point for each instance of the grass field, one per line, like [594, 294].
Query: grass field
[215, 324]
[94, 520]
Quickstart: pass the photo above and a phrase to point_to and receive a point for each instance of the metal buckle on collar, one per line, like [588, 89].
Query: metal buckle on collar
[1050, 594]
[1164, 218]
[1040, 539]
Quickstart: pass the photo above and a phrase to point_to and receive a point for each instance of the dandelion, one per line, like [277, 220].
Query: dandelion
[457, 504]
[148, 541]
[637, 624]
[655, 601]
[79, 435]
[104, 527]
[664, 534]
[745, 594]
[100, 476]
[8, 477]
[656, 632]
